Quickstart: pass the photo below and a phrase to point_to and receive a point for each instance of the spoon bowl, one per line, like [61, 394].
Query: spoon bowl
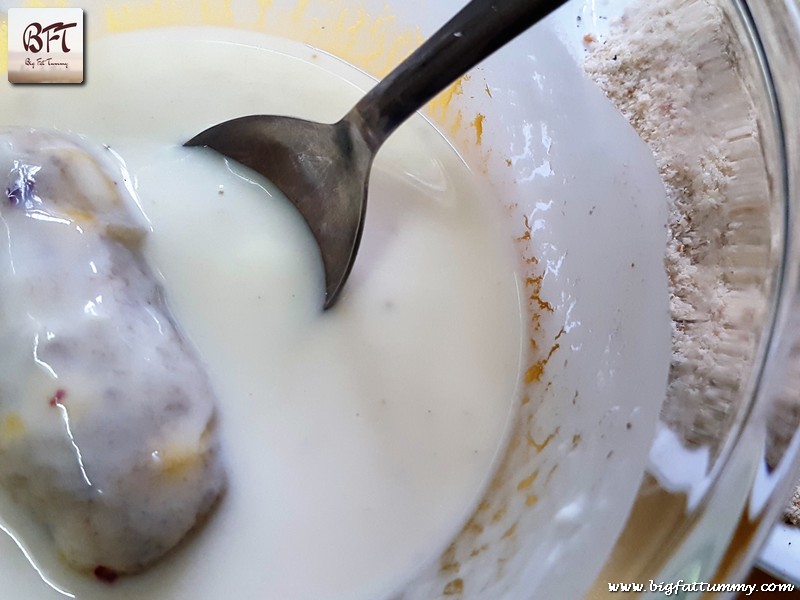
[324, 169]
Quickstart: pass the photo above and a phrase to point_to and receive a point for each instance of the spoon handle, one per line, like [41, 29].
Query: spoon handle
[479, 29]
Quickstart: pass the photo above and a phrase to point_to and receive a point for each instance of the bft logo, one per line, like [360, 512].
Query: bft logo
[45, 45]
[32, 36]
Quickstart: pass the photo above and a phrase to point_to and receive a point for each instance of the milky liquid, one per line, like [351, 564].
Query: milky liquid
[357, 440]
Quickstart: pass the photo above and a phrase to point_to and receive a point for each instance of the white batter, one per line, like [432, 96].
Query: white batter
[357, 440]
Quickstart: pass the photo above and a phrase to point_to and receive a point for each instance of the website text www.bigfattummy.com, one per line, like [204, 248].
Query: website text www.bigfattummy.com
[670, 588]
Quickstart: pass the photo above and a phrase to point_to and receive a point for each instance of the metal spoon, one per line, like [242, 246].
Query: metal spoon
[324, 169]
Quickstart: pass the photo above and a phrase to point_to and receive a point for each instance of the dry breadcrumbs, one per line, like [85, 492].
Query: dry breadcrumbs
[671, 68]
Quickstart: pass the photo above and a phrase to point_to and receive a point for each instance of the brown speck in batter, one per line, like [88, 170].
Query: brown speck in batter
[105, 574]
[58, 397]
